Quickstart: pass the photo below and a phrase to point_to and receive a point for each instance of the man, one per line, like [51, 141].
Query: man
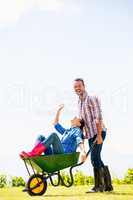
[95, 132]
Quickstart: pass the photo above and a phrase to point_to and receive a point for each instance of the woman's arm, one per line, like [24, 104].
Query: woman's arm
[82, 153]
[57, 116]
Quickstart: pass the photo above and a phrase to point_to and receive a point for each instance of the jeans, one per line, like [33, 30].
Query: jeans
[96, 160]
[52, 143]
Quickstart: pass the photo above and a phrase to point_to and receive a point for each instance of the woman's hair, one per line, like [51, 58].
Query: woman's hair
[82, 127]
[82, 124]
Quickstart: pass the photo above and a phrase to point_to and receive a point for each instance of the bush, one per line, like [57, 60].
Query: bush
[89, 180]
[18, 181]
[3, 181]
[65, 176]
[79, 178]
[117, 181]
[128, 179]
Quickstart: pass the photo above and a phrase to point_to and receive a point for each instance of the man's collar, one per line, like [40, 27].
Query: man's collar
[85, 94]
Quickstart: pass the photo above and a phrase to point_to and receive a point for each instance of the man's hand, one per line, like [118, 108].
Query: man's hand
[99, 139]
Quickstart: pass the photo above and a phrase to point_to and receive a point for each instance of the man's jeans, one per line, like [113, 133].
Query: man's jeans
[96, 151]
[52, 143]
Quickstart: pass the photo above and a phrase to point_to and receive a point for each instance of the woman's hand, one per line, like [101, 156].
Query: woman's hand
[56, 120]
[83, 156]
[61, 106]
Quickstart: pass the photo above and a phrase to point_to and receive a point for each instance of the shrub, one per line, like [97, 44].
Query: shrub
[128, 179]
[116, 180]
[89, 180]
[18, 181]
[3, 181]
[79, 178]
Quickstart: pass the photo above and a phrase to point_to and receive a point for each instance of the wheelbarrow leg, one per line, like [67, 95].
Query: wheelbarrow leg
[26, 189]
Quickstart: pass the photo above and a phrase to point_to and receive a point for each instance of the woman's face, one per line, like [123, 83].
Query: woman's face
[75, 122]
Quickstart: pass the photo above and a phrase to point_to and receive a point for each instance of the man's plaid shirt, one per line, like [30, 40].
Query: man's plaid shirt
[90, 112]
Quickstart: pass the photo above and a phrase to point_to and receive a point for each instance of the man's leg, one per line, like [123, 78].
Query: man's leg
[107, 179]
[97, 165]
[95, 172]
[107, 176]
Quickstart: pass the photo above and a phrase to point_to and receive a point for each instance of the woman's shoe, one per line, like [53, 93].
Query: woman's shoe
[36, 151]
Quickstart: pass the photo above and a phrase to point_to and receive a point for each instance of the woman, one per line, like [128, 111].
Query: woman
[71, 139]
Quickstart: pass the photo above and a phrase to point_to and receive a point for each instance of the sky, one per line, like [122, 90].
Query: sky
[44, 46]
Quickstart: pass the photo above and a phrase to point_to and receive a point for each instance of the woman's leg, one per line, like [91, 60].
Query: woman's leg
[54, 140]
[40, 139]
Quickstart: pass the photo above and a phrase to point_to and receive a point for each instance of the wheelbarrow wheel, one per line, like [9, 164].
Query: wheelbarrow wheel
[36, 185]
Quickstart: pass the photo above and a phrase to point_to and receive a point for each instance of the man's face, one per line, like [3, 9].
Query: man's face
[79, 88]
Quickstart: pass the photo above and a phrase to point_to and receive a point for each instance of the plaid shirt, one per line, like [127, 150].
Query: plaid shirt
[90, 112]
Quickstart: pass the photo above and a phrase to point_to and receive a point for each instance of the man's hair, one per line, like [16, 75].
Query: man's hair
[80, 79]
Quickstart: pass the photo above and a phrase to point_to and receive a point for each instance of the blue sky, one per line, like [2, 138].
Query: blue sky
[44, 45]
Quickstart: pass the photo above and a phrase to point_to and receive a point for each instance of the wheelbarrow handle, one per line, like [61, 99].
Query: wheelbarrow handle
[90, 149]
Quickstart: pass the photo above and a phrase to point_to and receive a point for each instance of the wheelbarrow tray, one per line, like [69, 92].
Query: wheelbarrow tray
[53, 163]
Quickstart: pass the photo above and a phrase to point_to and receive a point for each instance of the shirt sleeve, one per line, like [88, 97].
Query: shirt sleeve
[96, 107]
[60, 128]
[78, 137]
[99, 110]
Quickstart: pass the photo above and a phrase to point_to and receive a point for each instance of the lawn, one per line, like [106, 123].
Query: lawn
[121, 192]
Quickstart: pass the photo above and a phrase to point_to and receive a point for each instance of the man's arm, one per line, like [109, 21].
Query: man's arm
[99, 122]
[99, 133]
[96, 105]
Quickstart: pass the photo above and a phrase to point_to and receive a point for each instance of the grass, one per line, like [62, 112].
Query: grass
[121, 192]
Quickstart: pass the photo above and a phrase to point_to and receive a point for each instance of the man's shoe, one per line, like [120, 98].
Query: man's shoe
[107, 179]
[101, 179]
[96, 182]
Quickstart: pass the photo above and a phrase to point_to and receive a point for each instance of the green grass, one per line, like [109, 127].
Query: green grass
[121, 192]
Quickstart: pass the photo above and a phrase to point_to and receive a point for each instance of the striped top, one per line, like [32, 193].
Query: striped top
[90, 112]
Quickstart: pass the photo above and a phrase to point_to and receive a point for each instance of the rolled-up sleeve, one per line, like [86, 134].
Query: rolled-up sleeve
[59, 128]
[78, 137]
[99, 110]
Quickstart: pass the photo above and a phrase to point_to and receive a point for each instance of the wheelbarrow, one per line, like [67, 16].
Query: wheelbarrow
[44, 167]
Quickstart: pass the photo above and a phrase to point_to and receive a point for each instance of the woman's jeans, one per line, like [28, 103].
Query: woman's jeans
[96, 151]
[52, 143]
